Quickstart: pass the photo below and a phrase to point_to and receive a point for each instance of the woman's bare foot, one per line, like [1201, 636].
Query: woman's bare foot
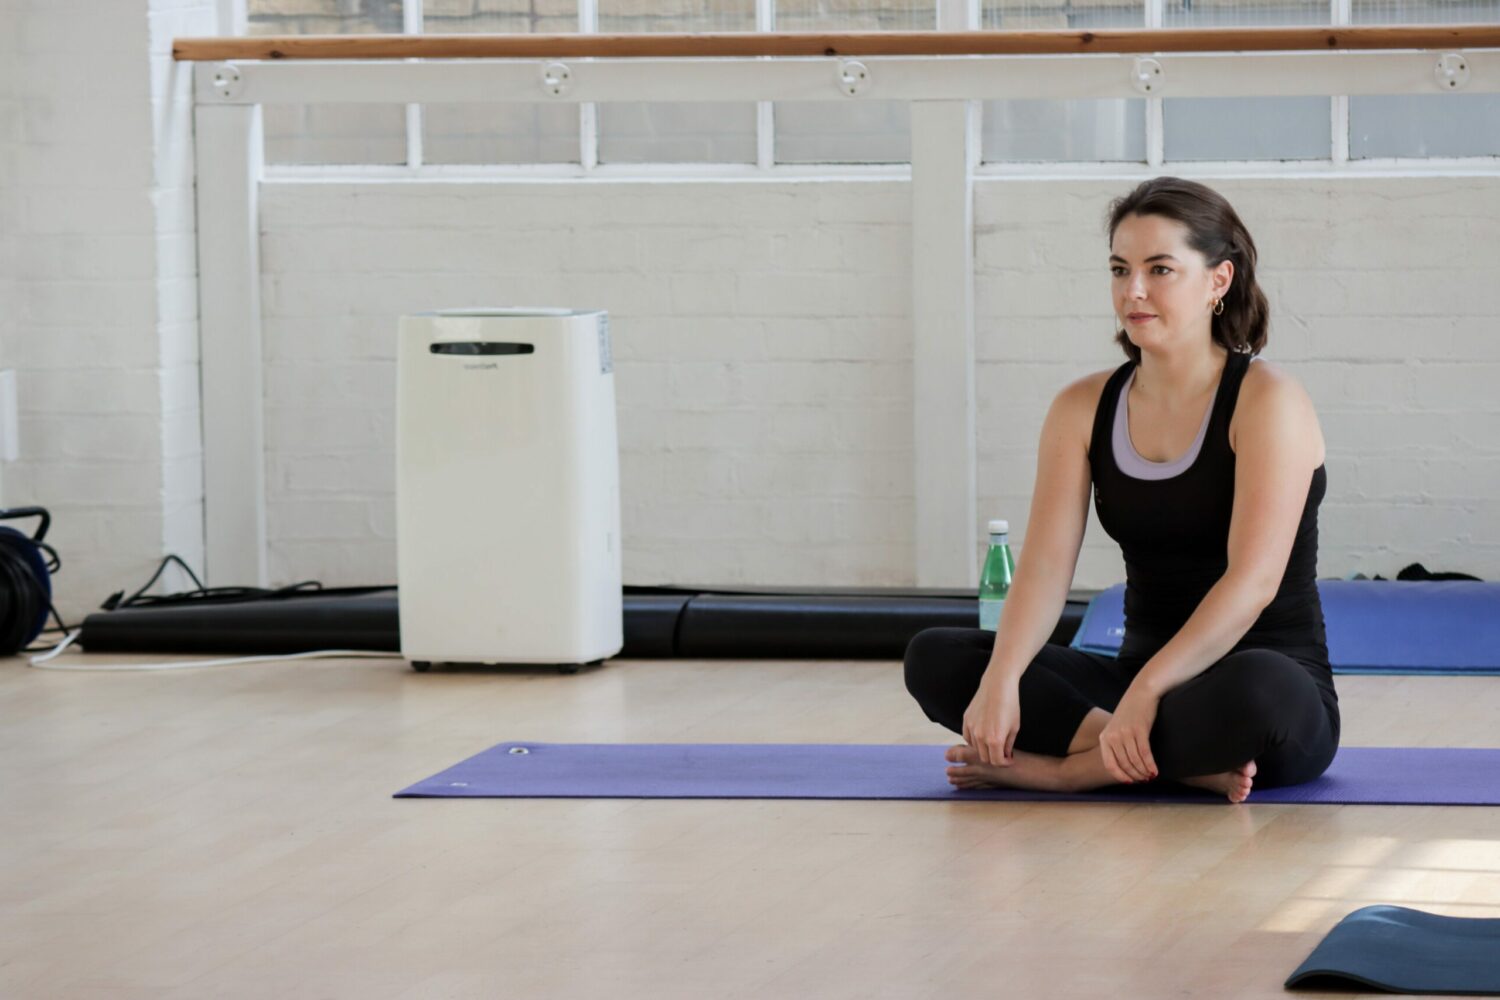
[1235, 784]
[1033, 771]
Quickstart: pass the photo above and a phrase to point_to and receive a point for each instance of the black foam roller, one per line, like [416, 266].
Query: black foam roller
[659, 622]
[294, 624]
[651, 625]
[753, 626]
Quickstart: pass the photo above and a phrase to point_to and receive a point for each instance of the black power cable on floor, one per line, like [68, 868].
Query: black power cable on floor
[26, 565]
[140, 599]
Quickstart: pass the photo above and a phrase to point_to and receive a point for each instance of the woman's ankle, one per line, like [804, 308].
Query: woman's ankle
[1087, 736]
[1085, 771]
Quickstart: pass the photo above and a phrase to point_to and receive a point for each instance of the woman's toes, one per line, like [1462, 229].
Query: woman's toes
[962, 753]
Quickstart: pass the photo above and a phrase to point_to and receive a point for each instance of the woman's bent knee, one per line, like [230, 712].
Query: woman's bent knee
[924, 657]
[1256, 680]
[934, 652]
[943, 667]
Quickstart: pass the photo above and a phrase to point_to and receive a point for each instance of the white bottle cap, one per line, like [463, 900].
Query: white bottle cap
[999, 527]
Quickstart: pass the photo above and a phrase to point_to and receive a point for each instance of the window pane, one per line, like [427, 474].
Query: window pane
[503, 17]
[1247, 128]
[677, 133]
[863, 15]
[335, 133]
[618, 17]
[330, 133]
[847, 131]
[1424, 125]
[843, 132]
[680, 132]
[1424, 11]
[1017, 130]
[323, 17]
[1027, 15]
[1455, 124]
[500, 133]
[1241, 13]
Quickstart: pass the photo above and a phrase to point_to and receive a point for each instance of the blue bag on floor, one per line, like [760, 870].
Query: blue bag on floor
[1373, 626]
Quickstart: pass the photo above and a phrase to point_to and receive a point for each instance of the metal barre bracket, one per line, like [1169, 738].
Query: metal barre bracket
[853, 76]
[1451, 72]
[227, 81]
[1146, 75]
[557, 78]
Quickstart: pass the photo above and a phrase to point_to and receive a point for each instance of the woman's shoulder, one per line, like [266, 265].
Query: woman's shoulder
[1076, 404]
[1080, 397]
[1267, 384]
[1272, 396]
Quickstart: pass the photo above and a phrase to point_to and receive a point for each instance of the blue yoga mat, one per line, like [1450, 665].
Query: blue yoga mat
[1369, 775]
[1373, 626]
[1403, 950]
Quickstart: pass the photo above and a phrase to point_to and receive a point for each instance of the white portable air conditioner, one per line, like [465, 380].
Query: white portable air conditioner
[507, 488]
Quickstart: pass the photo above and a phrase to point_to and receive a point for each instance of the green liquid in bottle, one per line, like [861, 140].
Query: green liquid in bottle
[994, 580]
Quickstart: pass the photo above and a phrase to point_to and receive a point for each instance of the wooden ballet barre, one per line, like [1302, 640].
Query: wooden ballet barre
[865, 43]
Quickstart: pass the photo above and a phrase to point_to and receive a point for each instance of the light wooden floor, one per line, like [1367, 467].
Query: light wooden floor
[230, 832]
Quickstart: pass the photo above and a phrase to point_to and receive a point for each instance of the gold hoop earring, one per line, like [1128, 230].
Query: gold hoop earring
[1218, 307]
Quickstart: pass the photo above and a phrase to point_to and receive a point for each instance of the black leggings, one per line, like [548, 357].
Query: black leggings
[1254, 704]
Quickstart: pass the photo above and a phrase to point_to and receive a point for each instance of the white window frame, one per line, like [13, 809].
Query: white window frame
[952, 15]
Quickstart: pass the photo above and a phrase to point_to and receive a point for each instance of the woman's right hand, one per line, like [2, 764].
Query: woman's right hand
[993, 718]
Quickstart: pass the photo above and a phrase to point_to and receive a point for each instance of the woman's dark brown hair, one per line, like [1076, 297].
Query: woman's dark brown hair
[1215, 231]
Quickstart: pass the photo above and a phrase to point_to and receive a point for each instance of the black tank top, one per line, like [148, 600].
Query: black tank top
[1174, 534]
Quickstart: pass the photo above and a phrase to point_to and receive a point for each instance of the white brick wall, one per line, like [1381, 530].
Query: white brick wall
[99, 270]
[1380, 302]
[762, 347]
[764, 377]
[80, 333]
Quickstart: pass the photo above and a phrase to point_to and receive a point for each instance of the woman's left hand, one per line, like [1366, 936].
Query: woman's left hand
[1125, 740]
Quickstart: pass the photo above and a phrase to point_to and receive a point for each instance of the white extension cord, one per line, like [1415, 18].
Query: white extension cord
[40, 661]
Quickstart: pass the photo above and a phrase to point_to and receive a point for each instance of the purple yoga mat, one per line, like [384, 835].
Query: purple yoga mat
[1368, 775]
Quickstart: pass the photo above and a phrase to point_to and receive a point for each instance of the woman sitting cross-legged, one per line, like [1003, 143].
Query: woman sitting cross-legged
[1205, 464]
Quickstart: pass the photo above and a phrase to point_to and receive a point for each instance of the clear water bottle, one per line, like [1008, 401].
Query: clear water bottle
[994, 580]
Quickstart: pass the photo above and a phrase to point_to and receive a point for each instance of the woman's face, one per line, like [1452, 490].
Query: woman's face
[1163, 289]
